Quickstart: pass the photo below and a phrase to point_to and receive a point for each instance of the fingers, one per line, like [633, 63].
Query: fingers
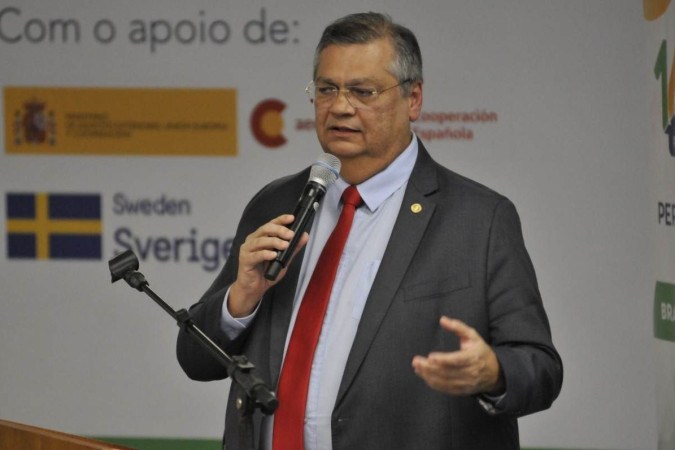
[445, 378]
[448, 364]
[466, 371]
[458, 328]
[259, 247]
[301, 243]
[263, 243]
[451, 360]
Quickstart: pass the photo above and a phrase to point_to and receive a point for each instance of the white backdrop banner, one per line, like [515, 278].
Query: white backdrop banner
[147, 125]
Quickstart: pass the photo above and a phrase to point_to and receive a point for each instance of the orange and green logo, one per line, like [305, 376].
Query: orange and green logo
[667, 93]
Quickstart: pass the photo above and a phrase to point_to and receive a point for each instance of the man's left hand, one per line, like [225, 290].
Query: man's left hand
[473, 369]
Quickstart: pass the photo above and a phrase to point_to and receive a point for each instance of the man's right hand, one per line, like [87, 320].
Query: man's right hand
[258, 249]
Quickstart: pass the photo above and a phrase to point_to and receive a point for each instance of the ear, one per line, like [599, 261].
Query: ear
[415, 101]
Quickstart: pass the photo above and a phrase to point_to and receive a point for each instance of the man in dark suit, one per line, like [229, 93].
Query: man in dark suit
[435, 336]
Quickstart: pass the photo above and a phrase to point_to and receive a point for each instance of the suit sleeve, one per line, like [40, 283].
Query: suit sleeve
[519, 329]
[196, 362]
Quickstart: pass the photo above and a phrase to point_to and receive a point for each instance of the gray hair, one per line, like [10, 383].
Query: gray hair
[362, 28]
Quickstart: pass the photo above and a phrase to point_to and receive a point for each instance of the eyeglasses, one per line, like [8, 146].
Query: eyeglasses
[322, 94]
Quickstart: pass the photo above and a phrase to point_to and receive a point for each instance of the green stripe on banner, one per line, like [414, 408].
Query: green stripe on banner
[164, 444]
[664, 311]
[210, 444]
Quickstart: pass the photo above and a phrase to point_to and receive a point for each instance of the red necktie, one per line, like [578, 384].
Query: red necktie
[289, 418]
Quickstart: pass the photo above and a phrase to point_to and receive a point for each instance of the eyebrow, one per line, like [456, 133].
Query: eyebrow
[352, 82]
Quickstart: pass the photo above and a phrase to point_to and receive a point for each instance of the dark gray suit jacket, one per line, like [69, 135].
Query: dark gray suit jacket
[462, 256]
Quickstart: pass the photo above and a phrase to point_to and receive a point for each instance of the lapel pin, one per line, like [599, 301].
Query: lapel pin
[416, 208]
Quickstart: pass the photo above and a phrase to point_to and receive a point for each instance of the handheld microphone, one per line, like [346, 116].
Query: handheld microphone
[323, 173]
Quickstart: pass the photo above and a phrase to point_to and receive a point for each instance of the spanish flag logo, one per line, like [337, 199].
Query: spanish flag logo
[53, 226]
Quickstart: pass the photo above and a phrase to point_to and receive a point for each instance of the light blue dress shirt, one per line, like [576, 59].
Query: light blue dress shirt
[373, 222]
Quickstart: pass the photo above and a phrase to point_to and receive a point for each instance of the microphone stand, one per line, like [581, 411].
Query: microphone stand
[251, 391]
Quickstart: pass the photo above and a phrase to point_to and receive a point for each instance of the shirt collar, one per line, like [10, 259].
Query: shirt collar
[376, 189]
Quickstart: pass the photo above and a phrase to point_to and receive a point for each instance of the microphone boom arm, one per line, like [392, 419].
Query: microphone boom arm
[255, 393]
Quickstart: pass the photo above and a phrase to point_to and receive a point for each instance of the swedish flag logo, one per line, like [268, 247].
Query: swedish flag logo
[53, 226]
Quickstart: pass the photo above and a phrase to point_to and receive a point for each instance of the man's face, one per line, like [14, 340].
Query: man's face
[366, 140]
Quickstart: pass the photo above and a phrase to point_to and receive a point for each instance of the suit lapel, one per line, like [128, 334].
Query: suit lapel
[411, 223]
